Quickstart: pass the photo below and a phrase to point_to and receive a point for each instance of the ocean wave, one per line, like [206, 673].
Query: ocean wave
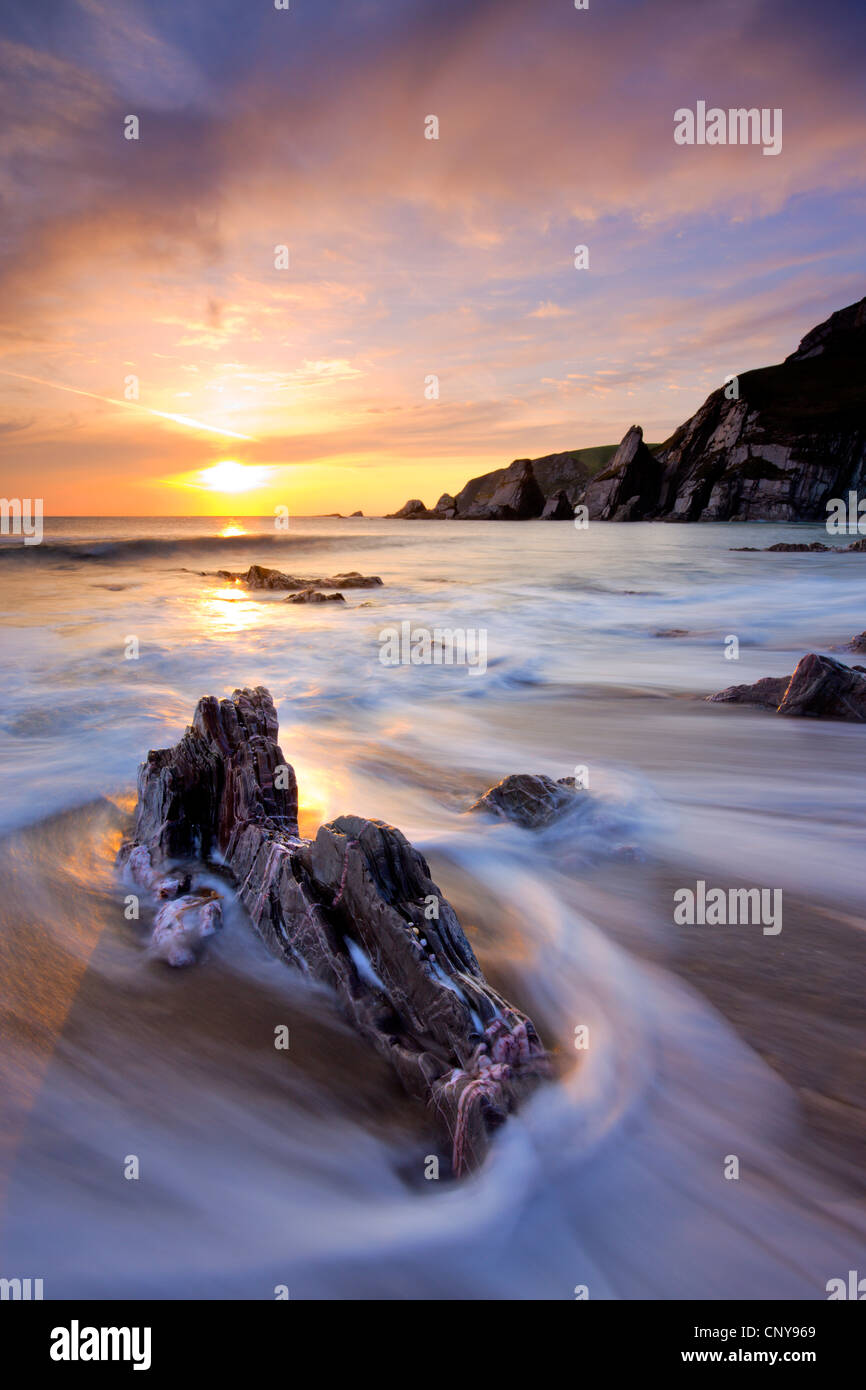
[129, 550]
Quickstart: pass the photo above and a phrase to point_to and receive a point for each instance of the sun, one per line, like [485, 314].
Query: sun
[230, 476]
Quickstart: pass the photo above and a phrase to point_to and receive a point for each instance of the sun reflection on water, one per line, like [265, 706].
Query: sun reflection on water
[228, 609]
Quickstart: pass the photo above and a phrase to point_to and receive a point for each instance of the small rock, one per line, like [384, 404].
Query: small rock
[314, 596]
[857, 644]
[530, 800]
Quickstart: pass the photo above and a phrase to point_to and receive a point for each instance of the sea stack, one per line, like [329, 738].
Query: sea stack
[355, 907]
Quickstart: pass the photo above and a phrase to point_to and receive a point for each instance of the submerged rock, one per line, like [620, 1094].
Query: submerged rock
[857, 644]
[820, 688]
[259, 577]
[530, 800]
[815, 546]
[183, 924]
[184, 918]
[356, 908]
[314, 596]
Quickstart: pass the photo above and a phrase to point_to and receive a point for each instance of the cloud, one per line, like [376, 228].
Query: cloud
[412, 257]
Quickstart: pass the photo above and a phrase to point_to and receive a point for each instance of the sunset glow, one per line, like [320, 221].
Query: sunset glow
[230, 476]
[147, 309]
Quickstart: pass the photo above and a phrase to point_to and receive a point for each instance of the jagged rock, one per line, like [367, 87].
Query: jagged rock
[557, 508]
[531, 800]
[629, 487]
[820, 688]
[357, 514]
[517, 497]
[314, 596]
[258, 577]
[356, 908]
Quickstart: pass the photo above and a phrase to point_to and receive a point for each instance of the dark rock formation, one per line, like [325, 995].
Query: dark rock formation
[557, 508]
[410, 510]
[446, 507]
[258, 577]
[356, 908]
[485, 498]
[767, 692]
[629, 487]
[530, 800]
[314, 596]
[794, 438]
[816, 547]
[356, 514]
[784, 546]
[820, 688]
[857, 644]
[517, 497]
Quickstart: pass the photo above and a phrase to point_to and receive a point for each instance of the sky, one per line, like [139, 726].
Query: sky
[149, 266]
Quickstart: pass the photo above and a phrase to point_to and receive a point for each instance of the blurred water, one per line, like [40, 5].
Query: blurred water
[260, 1170]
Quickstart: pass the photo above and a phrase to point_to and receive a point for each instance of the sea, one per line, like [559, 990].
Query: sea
[263, 1173]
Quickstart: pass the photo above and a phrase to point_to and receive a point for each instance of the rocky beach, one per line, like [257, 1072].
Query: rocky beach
[452, 895]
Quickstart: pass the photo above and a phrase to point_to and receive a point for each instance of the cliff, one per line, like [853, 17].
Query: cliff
[792, 437]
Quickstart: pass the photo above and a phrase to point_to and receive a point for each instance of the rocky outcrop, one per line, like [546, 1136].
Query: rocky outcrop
[356, 908]
[788, 440]
[530, 800]
[820, 688]
[258, 577]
